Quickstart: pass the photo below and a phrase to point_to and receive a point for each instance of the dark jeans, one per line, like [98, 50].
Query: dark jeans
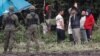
[71, 38]
[60, 35]
[88, 32]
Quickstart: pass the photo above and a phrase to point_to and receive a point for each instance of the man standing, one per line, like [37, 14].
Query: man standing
[10, 21]
[32, 21]
[60, 26]
[75, 25]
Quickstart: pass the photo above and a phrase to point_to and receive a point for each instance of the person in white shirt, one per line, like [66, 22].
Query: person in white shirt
[83, 31]
[60, 26]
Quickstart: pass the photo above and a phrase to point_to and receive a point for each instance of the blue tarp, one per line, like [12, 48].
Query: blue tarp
[19, 5]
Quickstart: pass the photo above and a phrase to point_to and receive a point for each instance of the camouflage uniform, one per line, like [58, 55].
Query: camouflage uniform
[32, 21]
[10, 21]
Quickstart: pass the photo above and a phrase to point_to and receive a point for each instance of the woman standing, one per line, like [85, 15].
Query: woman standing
[82, 22]
[89, 23]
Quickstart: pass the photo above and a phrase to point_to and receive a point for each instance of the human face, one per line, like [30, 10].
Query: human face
[73, 12]
[83, 13]
[62, 12]
[87, 13]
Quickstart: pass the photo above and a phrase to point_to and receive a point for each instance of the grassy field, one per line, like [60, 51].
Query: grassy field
[48, 44]
[54, 47]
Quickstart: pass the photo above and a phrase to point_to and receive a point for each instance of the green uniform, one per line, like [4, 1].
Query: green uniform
[10, 22]
[32, 21]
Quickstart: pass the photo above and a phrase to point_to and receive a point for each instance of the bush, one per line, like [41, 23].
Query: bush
[1, 37]
[96, 33]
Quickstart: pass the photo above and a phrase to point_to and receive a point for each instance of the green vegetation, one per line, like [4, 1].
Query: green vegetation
[96, 33]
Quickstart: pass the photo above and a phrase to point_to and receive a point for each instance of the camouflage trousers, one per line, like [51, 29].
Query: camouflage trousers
[31, 35]
[9, 40]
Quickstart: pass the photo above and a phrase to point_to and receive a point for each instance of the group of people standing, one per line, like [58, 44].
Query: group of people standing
[80, 25]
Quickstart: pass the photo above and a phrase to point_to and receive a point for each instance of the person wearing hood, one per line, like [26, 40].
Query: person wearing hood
[89, 23]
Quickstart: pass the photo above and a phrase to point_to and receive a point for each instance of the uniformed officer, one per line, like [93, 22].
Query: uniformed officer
[32, 21]
[10, 22]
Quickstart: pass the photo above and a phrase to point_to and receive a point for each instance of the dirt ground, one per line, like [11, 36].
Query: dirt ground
[83, 53]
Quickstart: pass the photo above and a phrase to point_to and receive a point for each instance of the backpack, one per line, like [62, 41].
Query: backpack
[32, 21]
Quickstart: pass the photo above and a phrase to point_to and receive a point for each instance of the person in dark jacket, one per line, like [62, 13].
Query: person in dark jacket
[75, 25]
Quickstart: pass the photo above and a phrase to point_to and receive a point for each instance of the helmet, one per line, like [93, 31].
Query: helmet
[11, 8]
[32, 8]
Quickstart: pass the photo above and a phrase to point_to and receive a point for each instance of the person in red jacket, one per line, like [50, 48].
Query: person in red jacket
[89, 23]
